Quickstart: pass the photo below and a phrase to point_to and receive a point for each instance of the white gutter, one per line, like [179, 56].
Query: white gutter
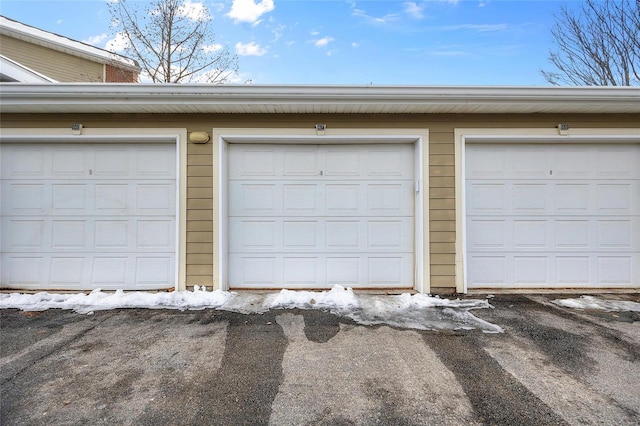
[75, 97]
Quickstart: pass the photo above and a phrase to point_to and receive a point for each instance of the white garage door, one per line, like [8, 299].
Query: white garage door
[88, 216]
[553, 215]
[316, 216]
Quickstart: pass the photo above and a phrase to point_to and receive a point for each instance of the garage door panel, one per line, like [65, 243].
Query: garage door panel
[69, 272]
[531, 234]
[344, 199]
[615, 198]
[69, 198]
[487, 270]
[389, 162]
[306, 230]
[112, 162]
[573, 198]
[343, 235]
[154, 198]
[301, 235]
[617, 163]
[572, 163]
[529, 198]
[26, 198]
[343, 163]
[485, 198]
[390, 198]
[301, 198]
[154, 271]
[490, 162]
[110, 271]
[254, 198]
[69, 163]
[345, 271]
[23, 234]
[23, 270]
[301, 271]
[20, 163]
[252, 161]
[615, 234]
[531, 270]
[256, 271]
[82, 214]
[301, 161]
[529, 163]
[573, 234]
[69, 234]
[583, 218]
[487, 234]
[616, 270]
[155, 163]
[155, 234]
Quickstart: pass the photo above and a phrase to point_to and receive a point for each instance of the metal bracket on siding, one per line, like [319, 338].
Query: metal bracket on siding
[417, 186]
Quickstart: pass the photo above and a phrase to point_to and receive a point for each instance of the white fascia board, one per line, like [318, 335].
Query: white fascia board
[75, 97]
[60, 43]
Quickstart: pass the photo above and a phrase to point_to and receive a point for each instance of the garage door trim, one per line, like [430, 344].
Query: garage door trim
[225, 136]
[462, 136]
[177, 136]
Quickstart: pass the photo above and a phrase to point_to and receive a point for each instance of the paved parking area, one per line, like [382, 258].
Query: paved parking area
[552, 365]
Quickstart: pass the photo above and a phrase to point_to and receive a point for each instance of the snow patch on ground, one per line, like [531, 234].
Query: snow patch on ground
[417, 311]
[591, 302]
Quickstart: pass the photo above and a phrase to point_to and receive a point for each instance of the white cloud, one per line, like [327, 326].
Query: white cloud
[278, 31]
[196, 11]
[249, 10]
[59, 21]
[390, 17]
[414, 10]
[355, 44]
[117, 44]
[250, 49]
[323, 42]
[96, 39]
[212, 47]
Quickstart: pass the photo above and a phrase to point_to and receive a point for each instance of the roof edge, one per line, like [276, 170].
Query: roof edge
[16, 29]
[132, 94]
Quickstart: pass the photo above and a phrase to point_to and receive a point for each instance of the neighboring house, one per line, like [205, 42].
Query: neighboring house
[26, 51]
[437, 189]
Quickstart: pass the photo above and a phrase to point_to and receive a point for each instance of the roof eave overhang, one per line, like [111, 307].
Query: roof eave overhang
[196, 98]
[66, 45]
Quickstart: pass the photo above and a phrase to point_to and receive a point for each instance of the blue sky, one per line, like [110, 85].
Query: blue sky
[436, 42]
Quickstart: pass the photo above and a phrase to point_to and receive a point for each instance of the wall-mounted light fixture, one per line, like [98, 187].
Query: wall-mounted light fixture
[198, 137]
[563, 129]
[76, 128]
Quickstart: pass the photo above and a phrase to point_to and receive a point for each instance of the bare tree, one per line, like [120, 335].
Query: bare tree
[172, 41]
[597, 44]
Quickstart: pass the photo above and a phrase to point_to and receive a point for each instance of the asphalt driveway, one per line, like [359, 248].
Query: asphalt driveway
[552, 365]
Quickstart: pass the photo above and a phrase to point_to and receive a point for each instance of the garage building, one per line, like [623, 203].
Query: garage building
[394, 188]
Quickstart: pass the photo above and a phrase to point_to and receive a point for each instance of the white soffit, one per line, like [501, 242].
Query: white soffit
[302, 99]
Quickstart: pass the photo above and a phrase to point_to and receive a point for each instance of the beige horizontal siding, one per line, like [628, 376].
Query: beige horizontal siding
[199, 215]
[57, 65]
[199, 225]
